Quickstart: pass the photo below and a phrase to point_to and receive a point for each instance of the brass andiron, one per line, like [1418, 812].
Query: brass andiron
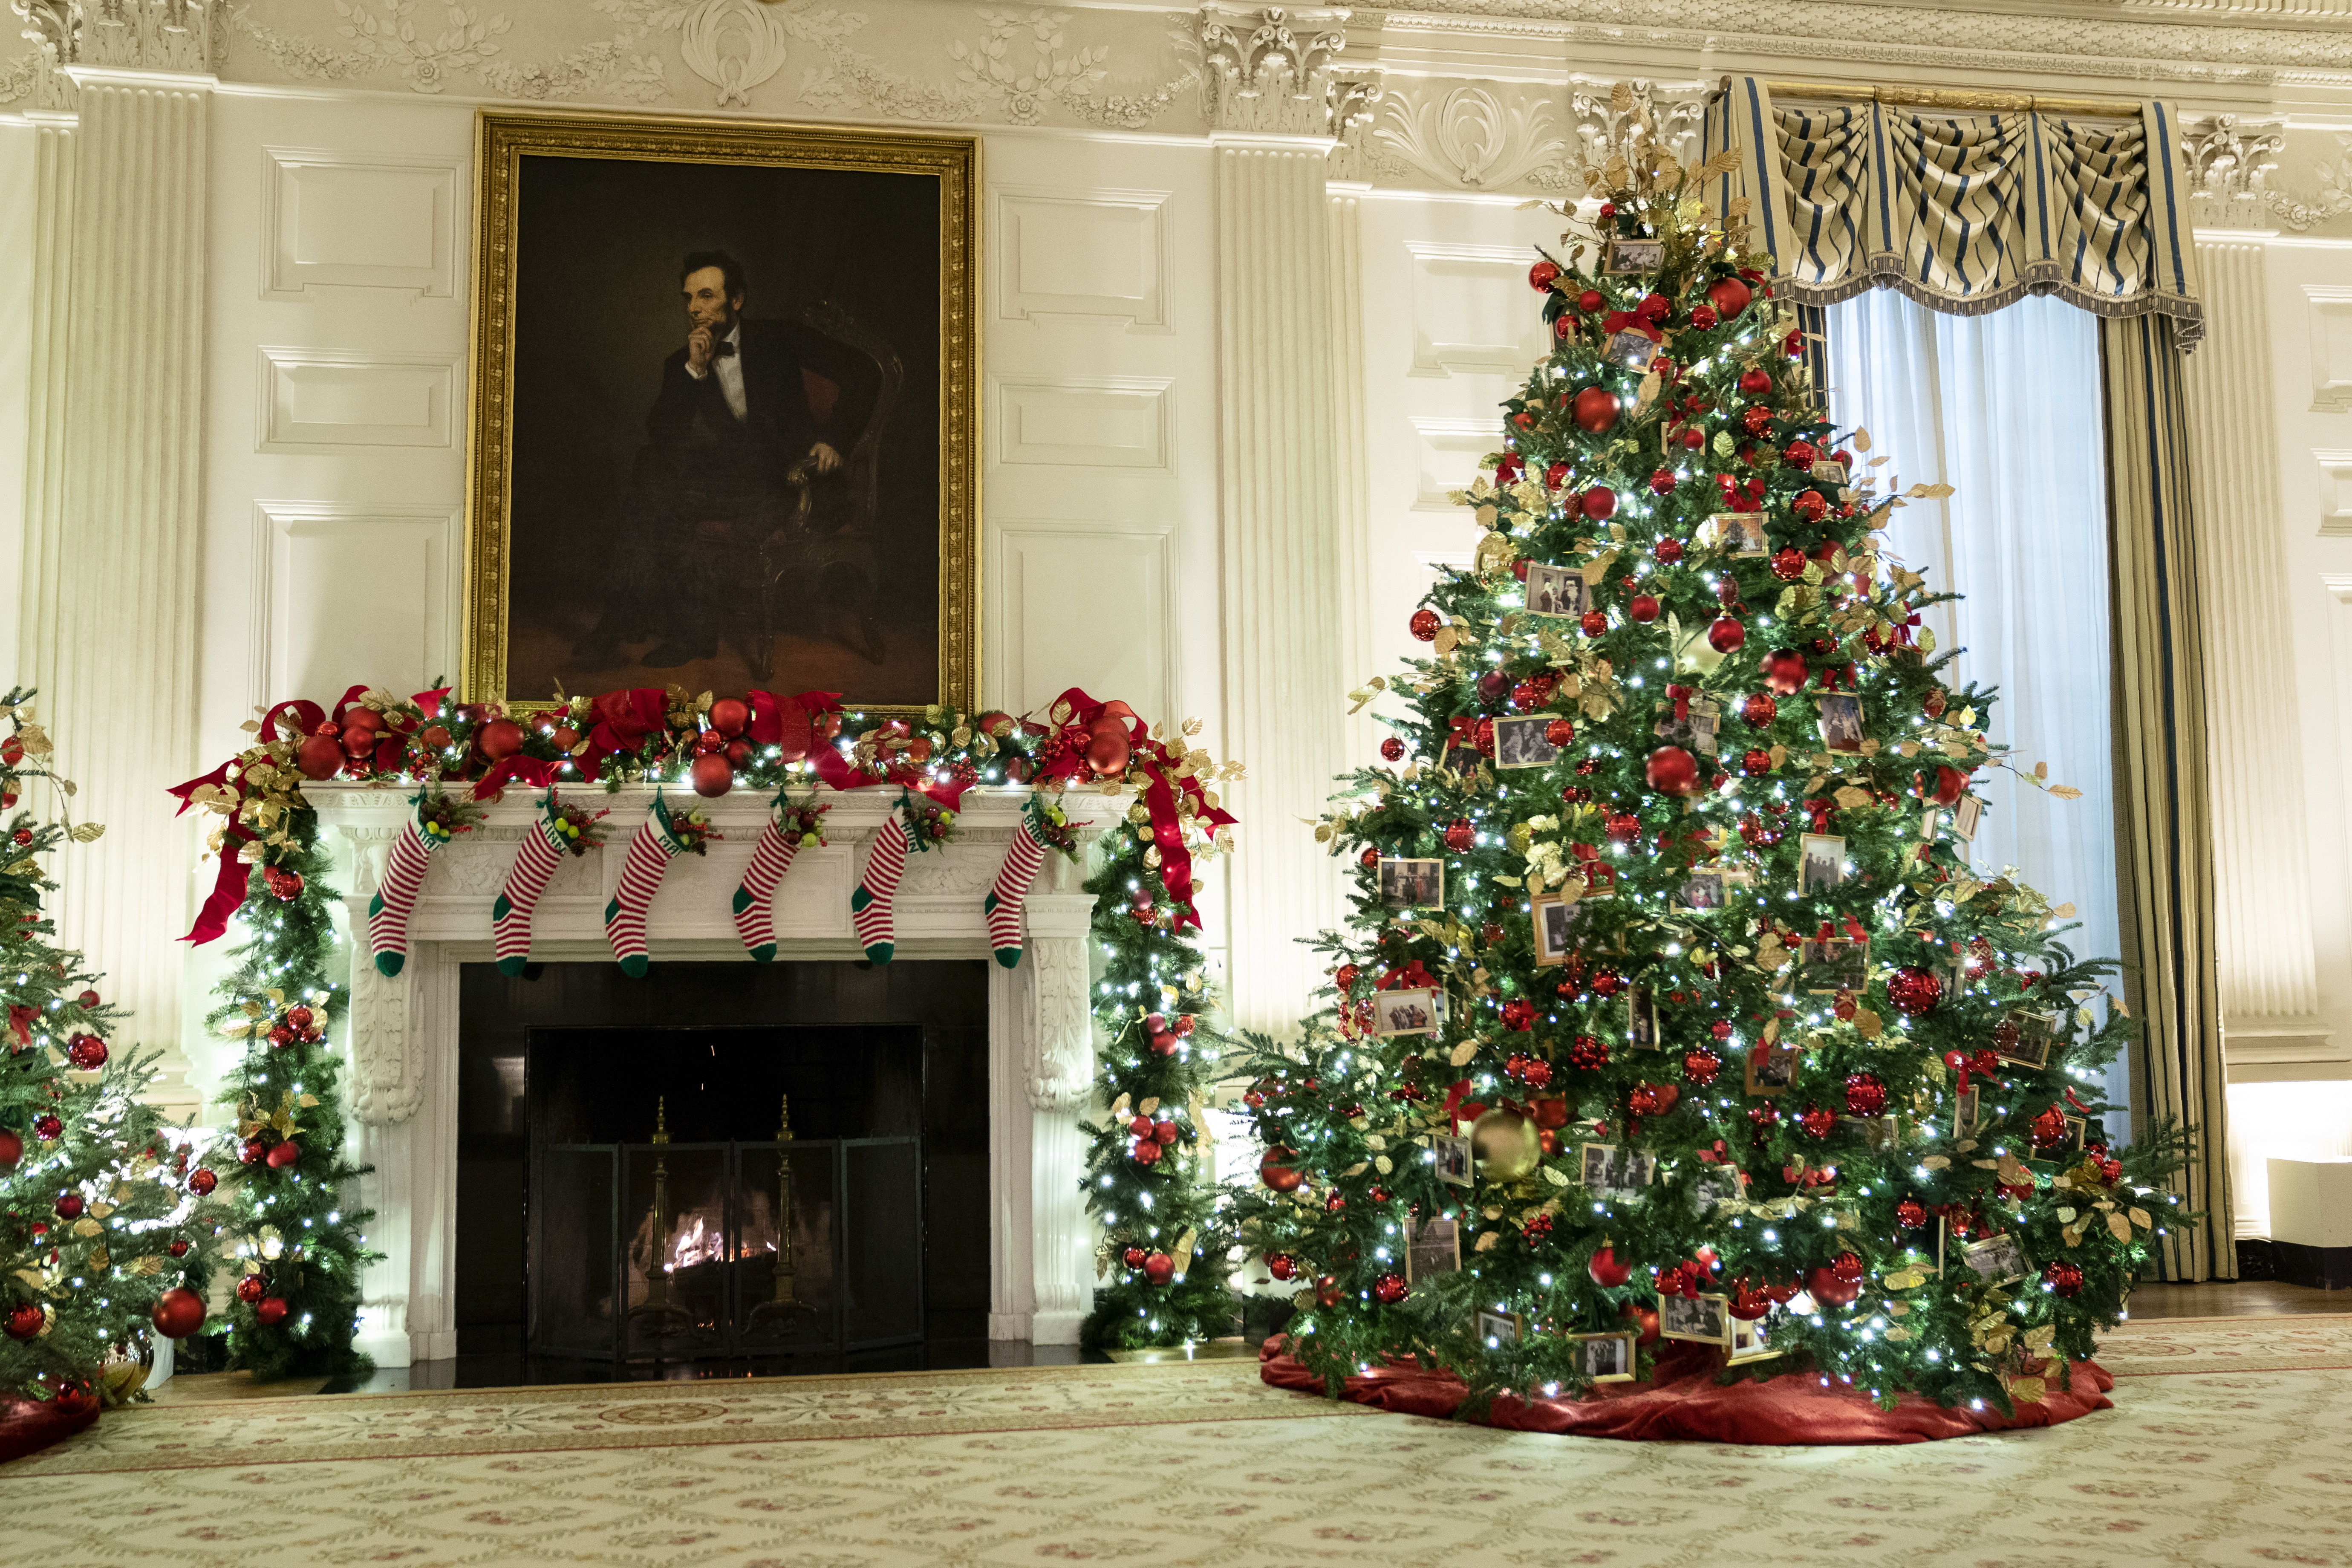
[781, 1303]
[783, 1296]
[659, 1314]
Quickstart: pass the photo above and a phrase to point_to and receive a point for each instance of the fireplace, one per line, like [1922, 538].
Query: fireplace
[733, 1161]
[442, 1111]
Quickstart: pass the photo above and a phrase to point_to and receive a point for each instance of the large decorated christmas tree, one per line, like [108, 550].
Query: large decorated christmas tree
[105, 1212]
[1672, 1003]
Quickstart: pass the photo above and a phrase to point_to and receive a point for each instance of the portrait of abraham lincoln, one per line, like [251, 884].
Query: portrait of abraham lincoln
[734, 445]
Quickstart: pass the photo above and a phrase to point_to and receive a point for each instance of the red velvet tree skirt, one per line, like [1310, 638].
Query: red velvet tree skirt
[28, 1426]
[1683, 1402]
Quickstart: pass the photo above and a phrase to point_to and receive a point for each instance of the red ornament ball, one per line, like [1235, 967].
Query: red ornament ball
[283, 1153]
[249, 1288]
[279, 1037]
[1134, 1257]
[1726, 635]
[1599, 504]
[1788, 563]
[1424, 625]
[1390, 1288]
[26, 1320]
[1595, 409]
[1642, 607]
[320, 756]
[1592, 623]
[2065, 1279]
[1369, 858]
[69, 1207]
[500, 738]
[1345, 979]
[1145, 1151]
[1460, 835]
[1759, 709]
[1914, 992]
[87, 1052]
[1277, 1175]
[1729, 296]
[1703, 317]
[1801, 453]
[1671, 771]
[730, 716]
[1560, 732]
[1865, 1094]
[1670, 551]
[178, 1313]
[1589, 300]
[1281, 1264]
[1160, 1269]
[178, 1249]
[1755, 382]
[1932, 705]
[1392, 749]
[200, 1182]
[251, 1152]
[47, 1128]
[1817, 1120]
[2048, 1130]
[713, 775]
[1910, 1214]
[1785, 671]
[271, 1311]
[1588, 1053]
[1609, 1271]
[1519, 1013]
[1839, 1282]
[1756, 760]
[1810, 505]
[284, 886]
[1326, 1292]
[1542, 276]
[1663, 482]
[1700, 1067]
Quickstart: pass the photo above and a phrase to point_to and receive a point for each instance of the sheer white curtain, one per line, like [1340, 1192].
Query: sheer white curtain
[2006, 408]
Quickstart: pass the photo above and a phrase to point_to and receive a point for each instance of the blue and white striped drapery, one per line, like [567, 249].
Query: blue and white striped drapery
[1962, 213]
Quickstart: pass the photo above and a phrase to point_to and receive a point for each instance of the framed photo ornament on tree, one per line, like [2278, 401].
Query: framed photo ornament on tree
[725, 411]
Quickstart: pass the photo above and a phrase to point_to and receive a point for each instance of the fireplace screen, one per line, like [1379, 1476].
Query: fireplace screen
[686, 1251]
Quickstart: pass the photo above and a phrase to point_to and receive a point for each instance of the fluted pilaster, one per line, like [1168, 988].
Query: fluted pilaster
[2269, 994]
[111, 579]
[1283, 558]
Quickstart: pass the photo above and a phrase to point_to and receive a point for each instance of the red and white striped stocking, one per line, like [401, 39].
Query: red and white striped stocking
[1011, 893]
[404, 875]
[651, 849]
[870, 905]
[755, 896]
[542, 851]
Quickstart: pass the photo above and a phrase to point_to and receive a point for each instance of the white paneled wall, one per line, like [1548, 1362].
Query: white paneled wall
[1450, 328]
[335, 454]
[1100, 396]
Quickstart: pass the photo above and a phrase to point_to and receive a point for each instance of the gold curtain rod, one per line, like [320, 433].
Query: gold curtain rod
[1964, 100]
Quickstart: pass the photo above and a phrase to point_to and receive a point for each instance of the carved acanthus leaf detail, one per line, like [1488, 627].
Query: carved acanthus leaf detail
[1473, 137]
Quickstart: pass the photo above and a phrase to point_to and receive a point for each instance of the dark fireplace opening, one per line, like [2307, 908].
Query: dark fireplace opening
[621, 1177]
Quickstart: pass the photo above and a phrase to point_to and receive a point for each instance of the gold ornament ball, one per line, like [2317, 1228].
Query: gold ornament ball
[1506, 1143]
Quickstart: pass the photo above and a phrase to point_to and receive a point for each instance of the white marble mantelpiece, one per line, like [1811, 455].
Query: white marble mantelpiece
[401, 1040]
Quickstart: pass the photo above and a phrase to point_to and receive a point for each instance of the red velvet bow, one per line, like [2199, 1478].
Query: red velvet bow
[536, 772]
[623, 720]
[1820, 810]
[1682, 696]
[1412, 975]
[1830, 674]
[20, 1022]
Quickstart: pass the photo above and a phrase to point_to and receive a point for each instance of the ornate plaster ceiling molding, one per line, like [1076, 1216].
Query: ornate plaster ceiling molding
[2112, 47]
[2229, 159]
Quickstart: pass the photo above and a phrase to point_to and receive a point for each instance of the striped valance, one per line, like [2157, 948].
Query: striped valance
[1963, 213]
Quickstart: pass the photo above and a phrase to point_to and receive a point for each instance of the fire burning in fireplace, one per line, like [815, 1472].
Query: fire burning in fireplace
[696, 1242]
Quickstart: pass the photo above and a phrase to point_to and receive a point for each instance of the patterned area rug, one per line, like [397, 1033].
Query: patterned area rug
[1182, 1464]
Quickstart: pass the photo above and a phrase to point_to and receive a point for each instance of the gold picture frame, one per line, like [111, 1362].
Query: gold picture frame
[930, 661]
